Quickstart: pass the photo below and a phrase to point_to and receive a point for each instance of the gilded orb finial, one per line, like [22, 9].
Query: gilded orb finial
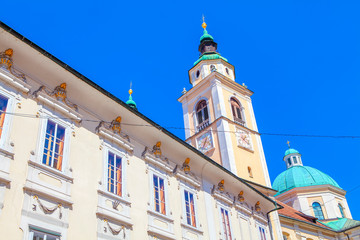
[288, 143]
[204, 25]
[130, 91]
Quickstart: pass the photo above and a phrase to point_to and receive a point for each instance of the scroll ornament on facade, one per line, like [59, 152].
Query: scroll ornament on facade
[59, 93]
[7, 62]
[221, 185]
[241, 197]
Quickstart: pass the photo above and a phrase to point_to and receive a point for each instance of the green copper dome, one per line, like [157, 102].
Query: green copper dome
[301, 176]
[290, 151]
[209, 57]
[206, 36]
[131, 102]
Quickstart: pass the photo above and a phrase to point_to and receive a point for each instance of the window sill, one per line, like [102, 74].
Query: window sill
[159, 215]
[116, 197]
[195, 229]
[51, 171]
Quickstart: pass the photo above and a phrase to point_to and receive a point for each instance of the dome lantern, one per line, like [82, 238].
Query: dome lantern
[292, 157]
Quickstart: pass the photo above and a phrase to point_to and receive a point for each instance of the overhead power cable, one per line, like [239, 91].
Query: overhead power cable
[182, 128]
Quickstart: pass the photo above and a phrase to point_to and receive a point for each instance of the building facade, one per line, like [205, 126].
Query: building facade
[72, 167]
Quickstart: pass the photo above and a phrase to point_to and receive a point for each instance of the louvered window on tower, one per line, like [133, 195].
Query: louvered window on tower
[202, 115]
[236, 111]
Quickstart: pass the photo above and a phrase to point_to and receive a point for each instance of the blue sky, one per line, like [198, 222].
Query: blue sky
[301, 58]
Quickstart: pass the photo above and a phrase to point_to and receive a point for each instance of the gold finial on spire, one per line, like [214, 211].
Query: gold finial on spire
[130, 90]
[288, 143]
[204, 23]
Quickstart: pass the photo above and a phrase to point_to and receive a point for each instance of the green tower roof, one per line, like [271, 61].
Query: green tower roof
[301, 176]
[206, 36]
[290, 151]
[210, 56]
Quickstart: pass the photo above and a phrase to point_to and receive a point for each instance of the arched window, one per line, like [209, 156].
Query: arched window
[202, 115]
[250, 172]
[318, 211]
[341, 210]
[236, 111]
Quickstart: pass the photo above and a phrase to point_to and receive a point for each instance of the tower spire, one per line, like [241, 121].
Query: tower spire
[131, 102]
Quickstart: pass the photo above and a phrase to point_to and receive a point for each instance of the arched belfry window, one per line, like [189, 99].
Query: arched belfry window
[318, 211]
[236, 111]
[202, 115]
[341, 210]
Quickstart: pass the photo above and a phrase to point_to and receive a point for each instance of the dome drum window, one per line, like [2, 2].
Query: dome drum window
[318, 213]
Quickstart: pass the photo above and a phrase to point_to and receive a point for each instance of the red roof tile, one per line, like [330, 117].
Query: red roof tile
[288, 211]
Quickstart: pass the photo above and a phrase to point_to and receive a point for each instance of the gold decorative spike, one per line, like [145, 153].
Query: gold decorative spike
[156, 149]
[241, 197]
[221, 185]
[186, 165]
[257, 207]
[115, 125]
[203, 24]
[288, 143]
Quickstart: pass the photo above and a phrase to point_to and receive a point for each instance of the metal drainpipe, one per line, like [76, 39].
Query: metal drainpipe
[269, 222]
[346, 235]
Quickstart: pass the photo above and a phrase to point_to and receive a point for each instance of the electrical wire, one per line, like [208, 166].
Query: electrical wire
[181, 128]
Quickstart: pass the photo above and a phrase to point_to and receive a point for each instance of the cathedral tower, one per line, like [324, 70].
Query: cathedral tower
[218, 115]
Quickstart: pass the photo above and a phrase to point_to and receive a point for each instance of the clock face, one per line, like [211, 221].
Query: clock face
[243, 138]
[205, 142]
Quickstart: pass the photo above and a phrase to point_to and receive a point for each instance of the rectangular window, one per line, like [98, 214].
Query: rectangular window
[190, 208]
[3, 106]
[54, 145]
[159, 194]
[262, 233]
[42, 235]
[114, 179]
[226, 224]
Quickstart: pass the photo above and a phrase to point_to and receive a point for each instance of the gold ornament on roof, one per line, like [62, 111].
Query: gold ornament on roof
[221, 185]
[186, 165]
[257, 207]
[241, 197]
[116, 125]
[204, 25]
[156, 149]
[7, 62]
[288, 143]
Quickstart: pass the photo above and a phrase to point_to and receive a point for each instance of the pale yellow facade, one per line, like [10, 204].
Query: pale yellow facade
[74, 201]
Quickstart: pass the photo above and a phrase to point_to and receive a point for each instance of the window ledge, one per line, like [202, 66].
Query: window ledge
[195, 229]
[7, 152]
[159, 215]
[223, 196]
[4, 177]
[51, 171]
[117, 219]
[30, 187]
[14, 82]
[116, 197]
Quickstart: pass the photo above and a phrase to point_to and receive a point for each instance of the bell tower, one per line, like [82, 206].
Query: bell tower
[218, 115]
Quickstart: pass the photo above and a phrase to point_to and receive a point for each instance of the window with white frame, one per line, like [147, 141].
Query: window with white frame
[54, 143]
[262, 233]
[190, 212]
[159, 194]
[225, 224]
[114, 173]
[3, 105]
[36, 234]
